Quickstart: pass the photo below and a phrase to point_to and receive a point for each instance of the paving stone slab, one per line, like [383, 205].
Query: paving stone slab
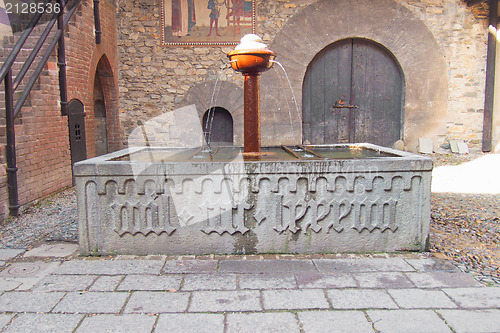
[442, 279]
[294, 299]
[262, 322]
[475, 298]
[7, 284]
[432, 265]
[267, 281]
[21, 301]
[421, 299]
[4, 320]
[383, 280]
[325, 281]
[190, 266]
[363, 265]
[157, 302]
[57, 250]
[107, 283]
[65, 283]
[2, 263]
[209, 282]
[150, 282]
[334, 322]
[478, 321]
[46, 322]
[408, 321]
[28, 273]
[110, 267]
[127, 323]
[291, 266]
[91, 302]
[360, 299]
[425, 146]
[219, 301]
[190, 322]
[7, 254]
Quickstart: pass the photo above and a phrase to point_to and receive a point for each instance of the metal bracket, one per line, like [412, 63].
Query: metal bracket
[340, 104]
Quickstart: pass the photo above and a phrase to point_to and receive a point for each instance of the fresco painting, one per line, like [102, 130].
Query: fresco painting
[206, 22]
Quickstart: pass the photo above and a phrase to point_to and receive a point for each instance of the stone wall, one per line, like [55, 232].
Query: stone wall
[462, 35]
[155, 79]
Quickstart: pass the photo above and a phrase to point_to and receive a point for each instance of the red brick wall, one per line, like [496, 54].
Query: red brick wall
[42, 138]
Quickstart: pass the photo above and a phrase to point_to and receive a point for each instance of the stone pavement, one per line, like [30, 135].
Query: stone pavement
[50, 289]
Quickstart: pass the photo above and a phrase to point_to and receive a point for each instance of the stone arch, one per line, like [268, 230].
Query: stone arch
[385, 22]
[105, 96]
[227, 96]
[358, 72]
[218, 126]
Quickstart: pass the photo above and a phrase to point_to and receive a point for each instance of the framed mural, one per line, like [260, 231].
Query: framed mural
[206, 22]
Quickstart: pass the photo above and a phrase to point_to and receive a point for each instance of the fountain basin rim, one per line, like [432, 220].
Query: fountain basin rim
[251, 61]
[109, 163]
[257, 52]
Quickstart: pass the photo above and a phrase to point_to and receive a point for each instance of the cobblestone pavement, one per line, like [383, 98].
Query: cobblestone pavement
[331, 293]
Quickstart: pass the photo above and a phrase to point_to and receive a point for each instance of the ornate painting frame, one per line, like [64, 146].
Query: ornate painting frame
[206, 22]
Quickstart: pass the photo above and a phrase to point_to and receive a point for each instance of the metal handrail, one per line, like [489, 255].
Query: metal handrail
[24, 95]
[34, 52]
[29, 86]
[17, 48]
[10, 86]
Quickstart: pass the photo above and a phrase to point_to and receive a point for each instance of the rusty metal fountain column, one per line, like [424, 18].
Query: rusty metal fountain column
[251, 122]
[251, 63]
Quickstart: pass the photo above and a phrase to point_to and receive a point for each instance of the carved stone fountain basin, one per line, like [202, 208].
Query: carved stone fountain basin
[296, 199]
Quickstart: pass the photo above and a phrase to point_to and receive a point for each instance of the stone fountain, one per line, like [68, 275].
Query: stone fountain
[283, 199]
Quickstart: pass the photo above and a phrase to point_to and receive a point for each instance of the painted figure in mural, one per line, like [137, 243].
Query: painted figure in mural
[236, 11]
[214, 16]
[183, 17]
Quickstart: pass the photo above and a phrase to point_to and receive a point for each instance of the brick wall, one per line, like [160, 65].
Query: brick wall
[42, 137]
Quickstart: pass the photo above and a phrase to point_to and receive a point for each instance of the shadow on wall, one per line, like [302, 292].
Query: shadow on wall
[179, 128]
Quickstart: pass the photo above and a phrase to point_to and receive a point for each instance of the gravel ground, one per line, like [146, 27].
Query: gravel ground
[51, 219]
[465, 228]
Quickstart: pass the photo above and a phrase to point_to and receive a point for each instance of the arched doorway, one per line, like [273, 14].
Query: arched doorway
[106, 125]
[218, 126]
[353, 92]
[100, 123]
[76, 124]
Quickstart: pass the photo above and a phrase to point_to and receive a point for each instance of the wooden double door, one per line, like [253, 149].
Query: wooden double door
[353, 92]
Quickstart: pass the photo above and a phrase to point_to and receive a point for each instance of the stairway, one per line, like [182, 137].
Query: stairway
[8, 43]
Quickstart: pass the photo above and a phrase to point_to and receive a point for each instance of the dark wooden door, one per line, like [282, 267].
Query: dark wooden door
[100, 124]
[353, 92]
[218, 126]
[76, 123]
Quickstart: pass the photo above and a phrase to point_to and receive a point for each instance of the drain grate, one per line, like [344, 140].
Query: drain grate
[25, 269]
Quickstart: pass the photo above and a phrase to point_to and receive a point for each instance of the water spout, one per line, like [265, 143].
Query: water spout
[251, 57]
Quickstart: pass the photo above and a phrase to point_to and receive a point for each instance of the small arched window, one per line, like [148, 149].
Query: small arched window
[218, 126]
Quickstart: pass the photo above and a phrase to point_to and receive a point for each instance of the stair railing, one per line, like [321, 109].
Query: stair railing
[11, 110]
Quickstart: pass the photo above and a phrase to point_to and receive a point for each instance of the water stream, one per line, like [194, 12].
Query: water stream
[213, 100]
[216, 91]
[299, 116]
